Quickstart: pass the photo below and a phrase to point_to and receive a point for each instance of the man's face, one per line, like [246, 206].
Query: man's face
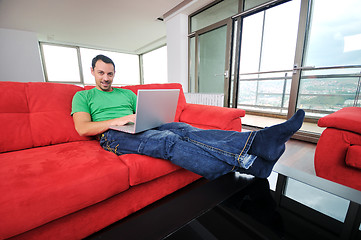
[103, 74]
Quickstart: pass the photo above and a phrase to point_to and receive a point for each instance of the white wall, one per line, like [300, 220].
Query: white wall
[177, 45]
[20, 59]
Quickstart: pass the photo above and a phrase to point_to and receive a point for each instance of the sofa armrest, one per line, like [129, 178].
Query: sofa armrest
[331, 156]
[348, 118]
[212, 117]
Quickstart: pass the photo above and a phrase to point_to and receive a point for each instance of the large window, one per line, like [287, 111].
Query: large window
[61, 64]
[267, 57]
[286, 54]
[332, 60]
[298, 54]
[126, 66]
[72, 64]
[155, 66]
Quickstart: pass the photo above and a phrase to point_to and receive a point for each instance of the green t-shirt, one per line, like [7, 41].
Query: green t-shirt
[105, 105]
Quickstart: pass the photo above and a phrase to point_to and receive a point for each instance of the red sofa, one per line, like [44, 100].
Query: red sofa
[338, 151]
[55, 184]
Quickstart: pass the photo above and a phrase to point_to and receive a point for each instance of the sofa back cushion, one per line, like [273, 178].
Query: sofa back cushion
[181, 100]
[36, 114]
[14, 117]
[347, 118]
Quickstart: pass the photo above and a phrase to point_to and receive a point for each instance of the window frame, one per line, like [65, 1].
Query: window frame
[80, 65]
[45, 70]
[141, 63]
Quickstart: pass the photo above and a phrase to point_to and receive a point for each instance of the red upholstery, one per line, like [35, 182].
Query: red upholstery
[211, 117]
[97, 216]
[69, 177]
[144, 169]
[353, 157]
[56, 184]
[50, 108]
[338, 151]
[348, 118]
[14, 117]
[36, 114]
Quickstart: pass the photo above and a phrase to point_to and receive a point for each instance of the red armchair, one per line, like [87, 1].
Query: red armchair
[338, 151]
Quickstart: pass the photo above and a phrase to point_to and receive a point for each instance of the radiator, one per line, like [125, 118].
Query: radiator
[205, 98]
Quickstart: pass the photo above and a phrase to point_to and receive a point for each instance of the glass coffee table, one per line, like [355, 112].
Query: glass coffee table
[291, 204]
[166, 216]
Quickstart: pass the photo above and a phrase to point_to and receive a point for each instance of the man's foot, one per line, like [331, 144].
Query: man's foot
[269, 143]
[260, 168]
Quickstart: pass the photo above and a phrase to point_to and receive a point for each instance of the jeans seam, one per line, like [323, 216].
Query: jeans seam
[140, 147]
[212, 148]
[245, 145]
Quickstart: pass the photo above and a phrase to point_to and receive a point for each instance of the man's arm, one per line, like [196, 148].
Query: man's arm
[85, 127]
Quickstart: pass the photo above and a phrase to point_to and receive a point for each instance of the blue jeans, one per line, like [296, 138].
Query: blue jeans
[209, 153]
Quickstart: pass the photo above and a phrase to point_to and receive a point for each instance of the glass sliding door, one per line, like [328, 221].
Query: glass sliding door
[192, 64]
[212, 60]
[267, 52]
[209, 64]
[216, 13]
[299, 54]
[330, 77]
[210, 37]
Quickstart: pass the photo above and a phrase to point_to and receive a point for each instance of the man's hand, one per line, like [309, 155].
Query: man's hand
[123, 120]
[85, 127]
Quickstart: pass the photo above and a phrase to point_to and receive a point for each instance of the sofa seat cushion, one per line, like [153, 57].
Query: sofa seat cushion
[41, 184]
[144, 169]
[353, 156]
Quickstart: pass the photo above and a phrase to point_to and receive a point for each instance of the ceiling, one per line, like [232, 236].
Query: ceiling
[128, 26]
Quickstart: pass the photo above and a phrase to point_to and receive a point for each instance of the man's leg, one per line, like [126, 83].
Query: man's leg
[166, 145]
[269, 143]
[228, 146]
[210, 153]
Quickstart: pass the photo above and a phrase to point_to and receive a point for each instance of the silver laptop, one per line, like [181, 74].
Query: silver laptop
[154, 108]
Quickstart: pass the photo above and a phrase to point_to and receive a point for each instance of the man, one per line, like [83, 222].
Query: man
[210, 153]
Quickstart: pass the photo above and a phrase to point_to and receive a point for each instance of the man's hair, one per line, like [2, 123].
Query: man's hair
[102, 58]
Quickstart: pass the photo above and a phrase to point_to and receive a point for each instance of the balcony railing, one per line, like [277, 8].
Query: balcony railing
[321, 90]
